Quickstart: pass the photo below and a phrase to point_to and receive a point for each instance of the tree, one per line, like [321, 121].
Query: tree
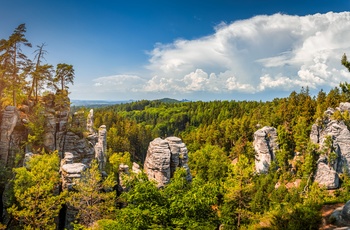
[238, 193]
[191, 205]
[344, 62]
[17, 65]
[210, 163]
[40, 72]
[36, 192]
[93, 196]
[64, 76]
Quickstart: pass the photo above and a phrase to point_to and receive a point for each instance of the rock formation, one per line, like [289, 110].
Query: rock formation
[90, 122]
[79, 153]
[339, 136]
[341, 216]
[163, 157]
[101, 147]
[75, 148]
[265, 145]
[10, 119]
[56, 120]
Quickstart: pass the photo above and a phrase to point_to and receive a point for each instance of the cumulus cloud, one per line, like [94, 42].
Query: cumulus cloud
[261, 53]
[266, 52]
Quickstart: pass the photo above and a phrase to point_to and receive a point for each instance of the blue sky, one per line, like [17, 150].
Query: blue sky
[186, 49]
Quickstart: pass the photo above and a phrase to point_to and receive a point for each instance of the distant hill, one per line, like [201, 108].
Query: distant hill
[170, 100]
[97, 103]
[103, 103]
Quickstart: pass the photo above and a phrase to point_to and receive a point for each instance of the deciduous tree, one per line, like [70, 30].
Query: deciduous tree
[93, 196]
[36, 192]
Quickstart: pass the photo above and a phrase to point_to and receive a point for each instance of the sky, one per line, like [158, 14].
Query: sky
[188, 49]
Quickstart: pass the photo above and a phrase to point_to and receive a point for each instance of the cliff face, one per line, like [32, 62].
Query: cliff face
[265, 145]
[72, 136]
[333, 136]
[163, 157]
[10, 136]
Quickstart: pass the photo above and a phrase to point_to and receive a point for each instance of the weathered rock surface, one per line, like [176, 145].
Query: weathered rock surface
[56, 121]
[11, 135]
[90, 122]
[265, 145]
[101, 147]
[163, 157]
[136, 168]
[71, 172]
[339, 134]
[79, 153]
[341, 216]
[326, 176]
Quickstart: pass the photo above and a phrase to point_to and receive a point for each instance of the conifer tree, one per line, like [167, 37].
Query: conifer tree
[15, 63]
[64, 76]
[40, 72]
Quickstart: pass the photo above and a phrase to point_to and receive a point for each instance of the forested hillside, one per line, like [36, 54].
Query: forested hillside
[219, 136]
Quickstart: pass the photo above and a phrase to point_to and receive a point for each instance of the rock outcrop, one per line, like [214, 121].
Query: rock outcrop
[8, 136]
[163, 157]
[265, 145]
[56, 120]
[79, 151]
[333, 136]
[341, 216]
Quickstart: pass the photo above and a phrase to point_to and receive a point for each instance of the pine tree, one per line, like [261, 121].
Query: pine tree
[16, 64]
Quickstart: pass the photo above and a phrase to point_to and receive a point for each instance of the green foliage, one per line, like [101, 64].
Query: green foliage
[107, 224]
[36, 127]
[179, 205]
[36, 192]
[346, 64]
[145, 205]
[296, 217]
[210, 163]
[238, 191]
[93, 196]
[64, 76]
[118, 158]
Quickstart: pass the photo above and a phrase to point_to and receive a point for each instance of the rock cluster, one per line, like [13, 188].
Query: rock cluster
[163, 157]
[339, 134]
[265, 145]
[79, 152]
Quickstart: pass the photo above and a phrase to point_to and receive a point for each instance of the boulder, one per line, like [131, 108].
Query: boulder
[123, 170]
[163, 157]
[70, 172]
[341, 216]
[265, 145]
[136, 168]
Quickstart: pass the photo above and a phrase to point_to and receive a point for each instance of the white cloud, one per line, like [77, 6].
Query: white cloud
[265, 52]
[278, 52]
